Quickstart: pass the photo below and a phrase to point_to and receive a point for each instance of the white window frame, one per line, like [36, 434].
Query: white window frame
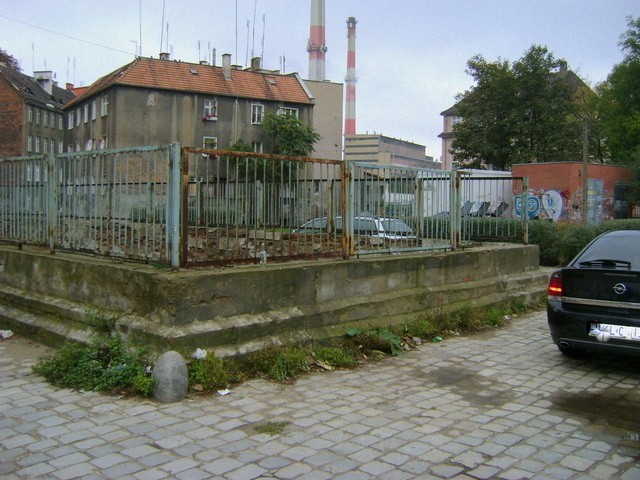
[288, 111]
[94, 109]
[70, 116]
[85, 113]
[29, 143]
[104, 106]
[210, 109]
[37, 145]
[257, 113]
[30, 114]
[78, 114]
[60, 122]
[45, 119]
[257, 147]
[37, 116]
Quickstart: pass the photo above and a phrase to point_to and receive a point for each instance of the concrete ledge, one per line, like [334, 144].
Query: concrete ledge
[61, 297]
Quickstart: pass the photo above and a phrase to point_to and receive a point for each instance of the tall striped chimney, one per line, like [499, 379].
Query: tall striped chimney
[350, 79]
[316, 45]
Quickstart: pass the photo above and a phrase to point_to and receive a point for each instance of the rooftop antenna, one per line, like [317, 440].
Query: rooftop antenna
[263, 30]
[140, 25]
[246, 55]
[253, 40]
[167, 38]
[164, 3]
[236, 30]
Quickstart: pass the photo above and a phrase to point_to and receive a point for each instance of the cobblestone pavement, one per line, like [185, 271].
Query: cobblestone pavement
[503, 404]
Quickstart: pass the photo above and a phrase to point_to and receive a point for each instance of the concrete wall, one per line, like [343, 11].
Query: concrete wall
[58, 297]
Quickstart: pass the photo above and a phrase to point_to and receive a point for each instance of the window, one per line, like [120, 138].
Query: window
[257, 147]
[85, 113]
[60, 121]
[29, 143]
[30, 114]
[45, 146]
[60, 146]
[45, 120]
[455, 120]
[37, 149]
[94, 109]
[290, 112]
[37, 116]
[210, 109]
[70, 121]
[257, 112]
[103, 143]
[89, 145]
[78, 117]
[104, 106]
[210, 142]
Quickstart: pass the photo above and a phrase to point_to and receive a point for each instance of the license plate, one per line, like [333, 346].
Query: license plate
[604, 331]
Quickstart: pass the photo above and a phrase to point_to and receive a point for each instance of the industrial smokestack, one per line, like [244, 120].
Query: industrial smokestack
[316, 45]
[350, 79]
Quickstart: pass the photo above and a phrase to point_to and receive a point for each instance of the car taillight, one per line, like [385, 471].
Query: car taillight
[555, 285]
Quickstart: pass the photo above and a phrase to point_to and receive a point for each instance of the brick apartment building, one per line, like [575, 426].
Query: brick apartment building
[31, 115]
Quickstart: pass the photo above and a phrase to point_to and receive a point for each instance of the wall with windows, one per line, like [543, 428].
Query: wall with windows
[130, 117]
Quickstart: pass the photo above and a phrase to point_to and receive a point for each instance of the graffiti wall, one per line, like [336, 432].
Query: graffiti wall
[556, 191]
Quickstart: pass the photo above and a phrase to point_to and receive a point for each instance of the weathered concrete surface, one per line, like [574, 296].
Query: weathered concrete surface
[235, 310]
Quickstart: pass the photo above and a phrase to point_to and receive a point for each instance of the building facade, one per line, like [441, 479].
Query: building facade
[161, 101]
[31, 115]
[386, 151]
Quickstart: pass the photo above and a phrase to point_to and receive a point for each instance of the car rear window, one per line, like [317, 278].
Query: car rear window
[623, 248]
[391, 225]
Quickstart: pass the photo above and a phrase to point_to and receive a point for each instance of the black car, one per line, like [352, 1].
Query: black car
[594, 302]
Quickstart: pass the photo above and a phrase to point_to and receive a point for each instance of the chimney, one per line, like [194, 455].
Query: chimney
[213, 57]
[316, 45]
[45, 79]
[350, 79]
[165, 56]
[69, 86]
[226, 66]
[255, 64]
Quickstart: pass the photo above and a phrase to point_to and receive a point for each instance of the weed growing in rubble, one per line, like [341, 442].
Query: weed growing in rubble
[212, 373]
[107, 364]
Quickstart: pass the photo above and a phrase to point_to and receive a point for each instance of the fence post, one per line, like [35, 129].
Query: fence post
[53, 194]
[455, 219]
[348, 187]
[174, 207]
[525, 210]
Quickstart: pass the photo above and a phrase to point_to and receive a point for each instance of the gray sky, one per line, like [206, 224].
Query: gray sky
[411, 55]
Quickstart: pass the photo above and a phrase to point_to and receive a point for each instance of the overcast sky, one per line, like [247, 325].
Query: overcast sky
[411, 54]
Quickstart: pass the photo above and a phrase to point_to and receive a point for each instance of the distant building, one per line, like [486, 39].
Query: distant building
[450, 116]
[387, 151]
[31, 116]
[327, 118]
[160, 101]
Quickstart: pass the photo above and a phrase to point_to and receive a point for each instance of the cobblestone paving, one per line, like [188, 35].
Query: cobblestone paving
[503, 404]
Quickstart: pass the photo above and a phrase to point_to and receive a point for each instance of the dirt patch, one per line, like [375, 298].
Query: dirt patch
[20, 349]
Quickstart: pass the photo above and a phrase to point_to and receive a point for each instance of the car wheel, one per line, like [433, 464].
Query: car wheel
[571, 352]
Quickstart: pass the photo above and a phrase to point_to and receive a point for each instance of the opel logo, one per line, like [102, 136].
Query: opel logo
[620, 288]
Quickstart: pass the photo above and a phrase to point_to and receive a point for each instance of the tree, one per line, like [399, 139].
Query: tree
[290, 135]
[621, 100]
[9, 60]
[519, 113]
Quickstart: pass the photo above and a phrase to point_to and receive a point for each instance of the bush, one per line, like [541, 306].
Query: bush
[279, 363]
[212, 373]
[106, 364]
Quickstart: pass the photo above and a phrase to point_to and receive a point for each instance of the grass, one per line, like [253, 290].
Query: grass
[110, 364]
[272, 428]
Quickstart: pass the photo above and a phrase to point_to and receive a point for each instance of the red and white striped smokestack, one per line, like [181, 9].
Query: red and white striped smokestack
[316, 45]
[350, 79]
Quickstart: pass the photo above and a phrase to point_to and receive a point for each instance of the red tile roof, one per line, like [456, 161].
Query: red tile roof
[205, 79]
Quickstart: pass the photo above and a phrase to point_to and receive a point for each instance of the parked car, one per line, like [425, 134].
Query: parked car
[594, 302]
[375, 227]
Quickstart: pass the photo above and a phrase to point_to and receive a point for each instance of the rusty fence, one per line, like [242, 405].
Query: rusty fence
[186, 207]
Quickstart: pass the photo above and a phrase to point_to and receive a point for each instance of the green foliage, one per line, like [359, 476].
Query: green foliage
[335, 356]
[620, 104]
[381, 339]
[272, 428]
[104, 365]
[212, 373]
[279, 363]
[290, 135]
[518, 113]
[559, 242]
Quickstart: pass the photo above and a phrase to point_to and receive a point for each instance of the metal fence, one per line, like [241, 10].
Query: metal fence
[189, 207]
